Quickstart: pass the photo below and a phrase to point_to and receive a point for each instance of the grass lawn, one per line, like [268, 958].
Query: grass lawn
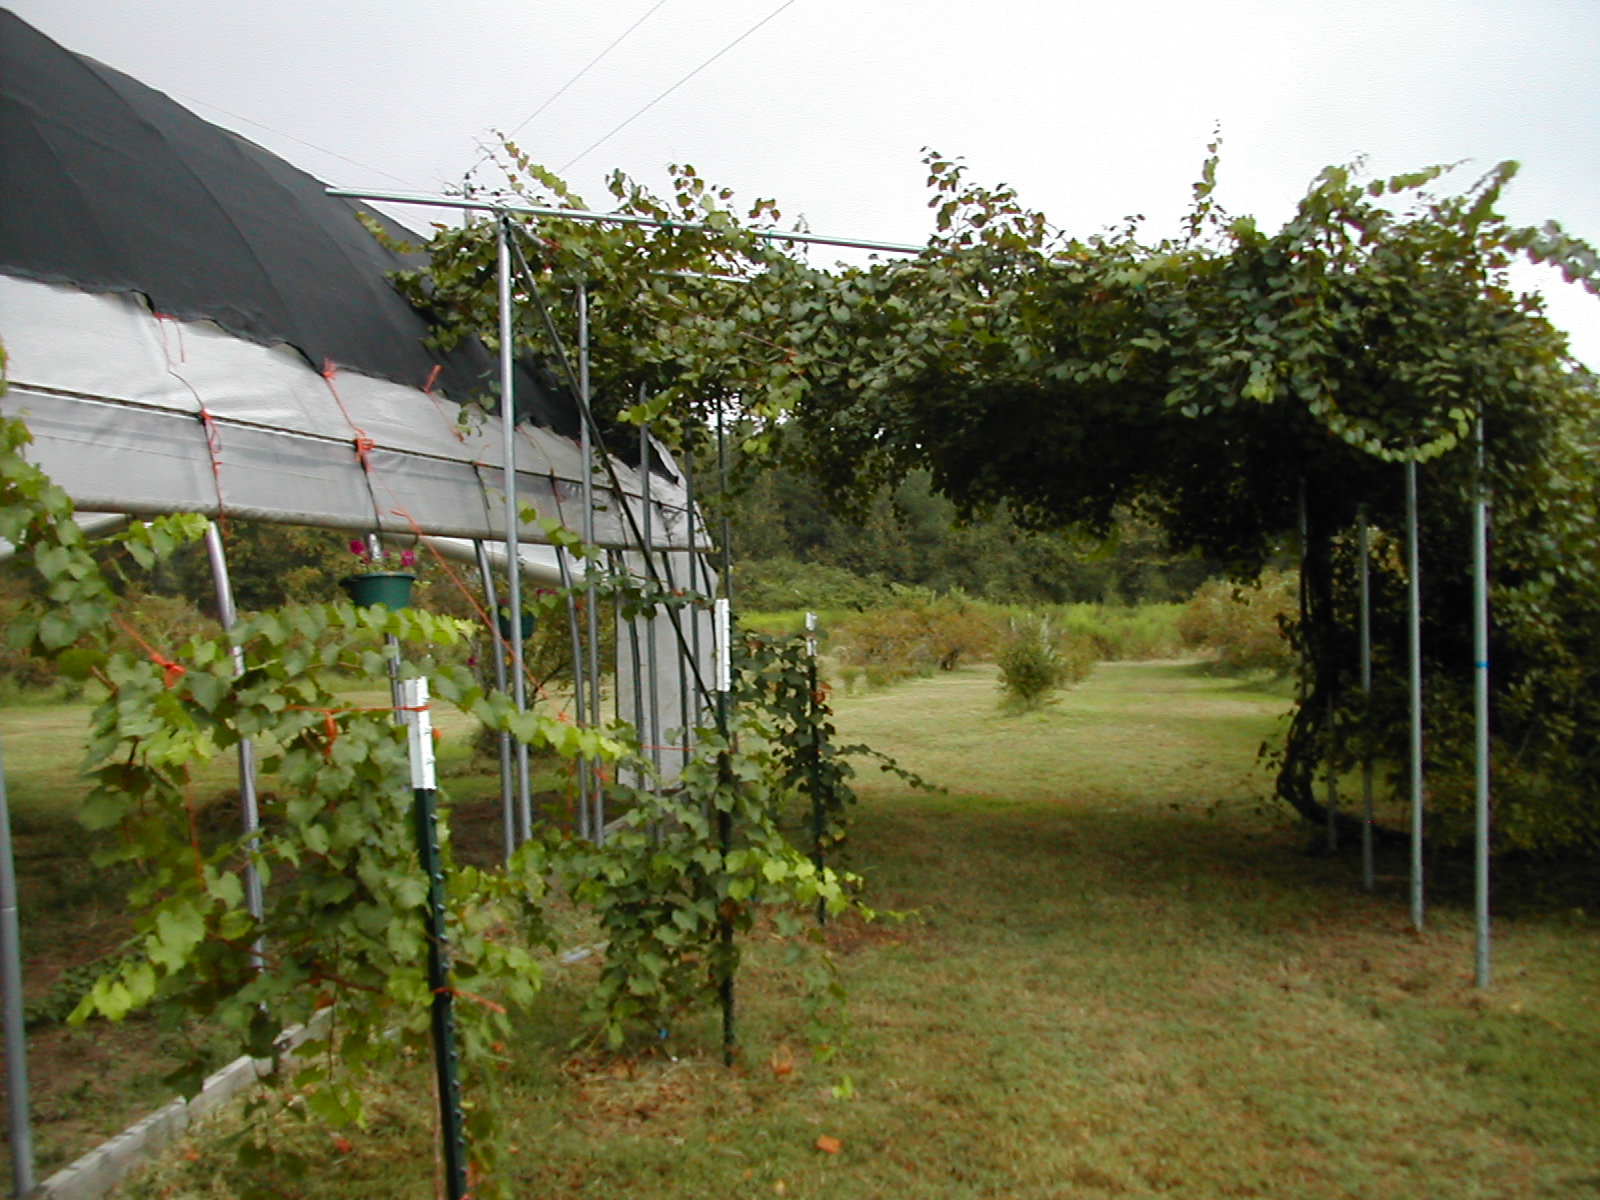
[1120, 974]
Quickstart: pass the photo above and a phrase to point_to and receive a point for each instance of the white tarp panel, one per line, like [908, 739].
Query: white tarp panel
[664, 664]
[133, 412]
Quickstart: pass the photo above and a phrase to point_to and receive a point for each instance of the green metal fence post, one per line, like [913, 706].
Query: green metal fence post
[446, 1067]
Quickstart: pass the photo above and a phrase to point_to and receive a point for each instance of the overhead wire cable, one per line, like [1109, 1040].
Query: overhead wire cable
[562, 90]
[595, 145]
[309, 145]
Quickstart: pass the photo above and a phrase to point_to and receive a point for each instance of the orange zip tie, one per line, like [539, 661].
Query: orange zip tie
[331, 727]
[214, 449]
[363, 443]
[171, 671]
[213, 441]
[463, 994]
[427, 390]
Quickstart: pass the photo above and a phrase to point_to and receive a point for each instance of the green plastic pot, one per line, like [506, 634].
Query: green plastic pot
[503, 619]
[392, 589]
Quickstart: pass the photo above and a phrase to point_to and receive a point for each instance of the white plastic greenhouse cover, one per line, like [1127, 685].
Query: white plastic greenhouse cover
[139, 413]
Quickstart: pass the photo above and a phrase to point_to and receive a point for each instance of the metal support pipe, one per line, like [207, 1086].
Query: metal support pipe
[636, 663]
[508, 808]
[249, 802]
[691, 720]
[508, 450]
[726, 522]
[1368, 874]
[1480, 674]
[1414, 648]
[578, 214]
[593, 797]
[19, 1125]
[618, 568]
[654, 685]
[390, 642]
[576, 642]
[587, 416]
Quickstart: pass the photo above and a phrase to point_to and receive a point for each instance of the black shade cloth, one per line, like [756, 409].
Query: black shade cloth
[111, 186]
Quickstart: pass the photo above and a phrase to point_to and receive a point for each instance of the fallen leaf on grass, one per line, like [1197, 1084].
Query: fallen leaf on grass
[782, 1061]
[829, 1145]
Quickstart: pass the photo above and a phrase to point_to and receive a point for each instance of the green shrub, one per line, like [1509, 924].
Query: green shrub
[916, 635]
[1241, 628]
[1124, 632]
[1035, 661]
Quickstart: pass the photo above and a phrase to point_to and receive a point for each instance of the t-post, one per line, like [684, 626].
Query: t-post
[813, 752]
[424, 788]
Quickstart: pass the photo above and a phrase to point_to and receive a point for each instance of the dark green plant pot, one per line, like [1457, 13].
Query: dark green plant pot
[392, 589]
[503, 619]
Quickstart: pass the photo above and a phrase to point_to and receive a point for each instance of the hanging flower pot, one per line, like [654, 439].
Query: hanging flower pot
[503, 619]
[392, 589]
[380, 583]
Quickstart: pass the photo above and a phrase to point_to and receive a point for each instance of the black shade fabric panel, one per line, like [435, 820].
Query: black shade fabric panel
[110, 186]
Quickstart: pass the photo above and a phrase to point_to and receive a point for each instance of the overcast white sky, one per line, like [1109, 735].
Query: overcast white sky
[1093, 111]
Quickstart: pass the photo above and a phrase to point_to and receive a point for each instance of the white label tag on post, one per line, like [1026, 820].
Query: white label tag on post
[724, 645]
[419, 732]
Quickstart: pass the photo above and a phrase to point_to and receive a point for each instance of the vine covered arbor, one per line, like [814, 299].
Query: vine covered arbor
[1256, 392]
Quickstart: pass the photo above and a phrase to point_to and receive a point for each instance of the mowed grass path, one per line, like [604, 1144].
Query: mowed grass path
[1132, 980]
[1122, 975]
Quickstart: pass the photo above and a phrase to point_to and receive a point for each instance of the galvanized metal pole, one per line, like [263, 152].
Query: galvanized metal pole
[617, 568]
[726, 522]
[1368, 876]
[578, 680]
[1480, 672]
[578, 214]
[576, 647]
[626, 510]
[508, 450]
[691, 720]
[19, 1125]
[249, 803]
[391, 643]
[508, 809]
[596, 798]
[1414, 647]
[636, 662]
[646, 500]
